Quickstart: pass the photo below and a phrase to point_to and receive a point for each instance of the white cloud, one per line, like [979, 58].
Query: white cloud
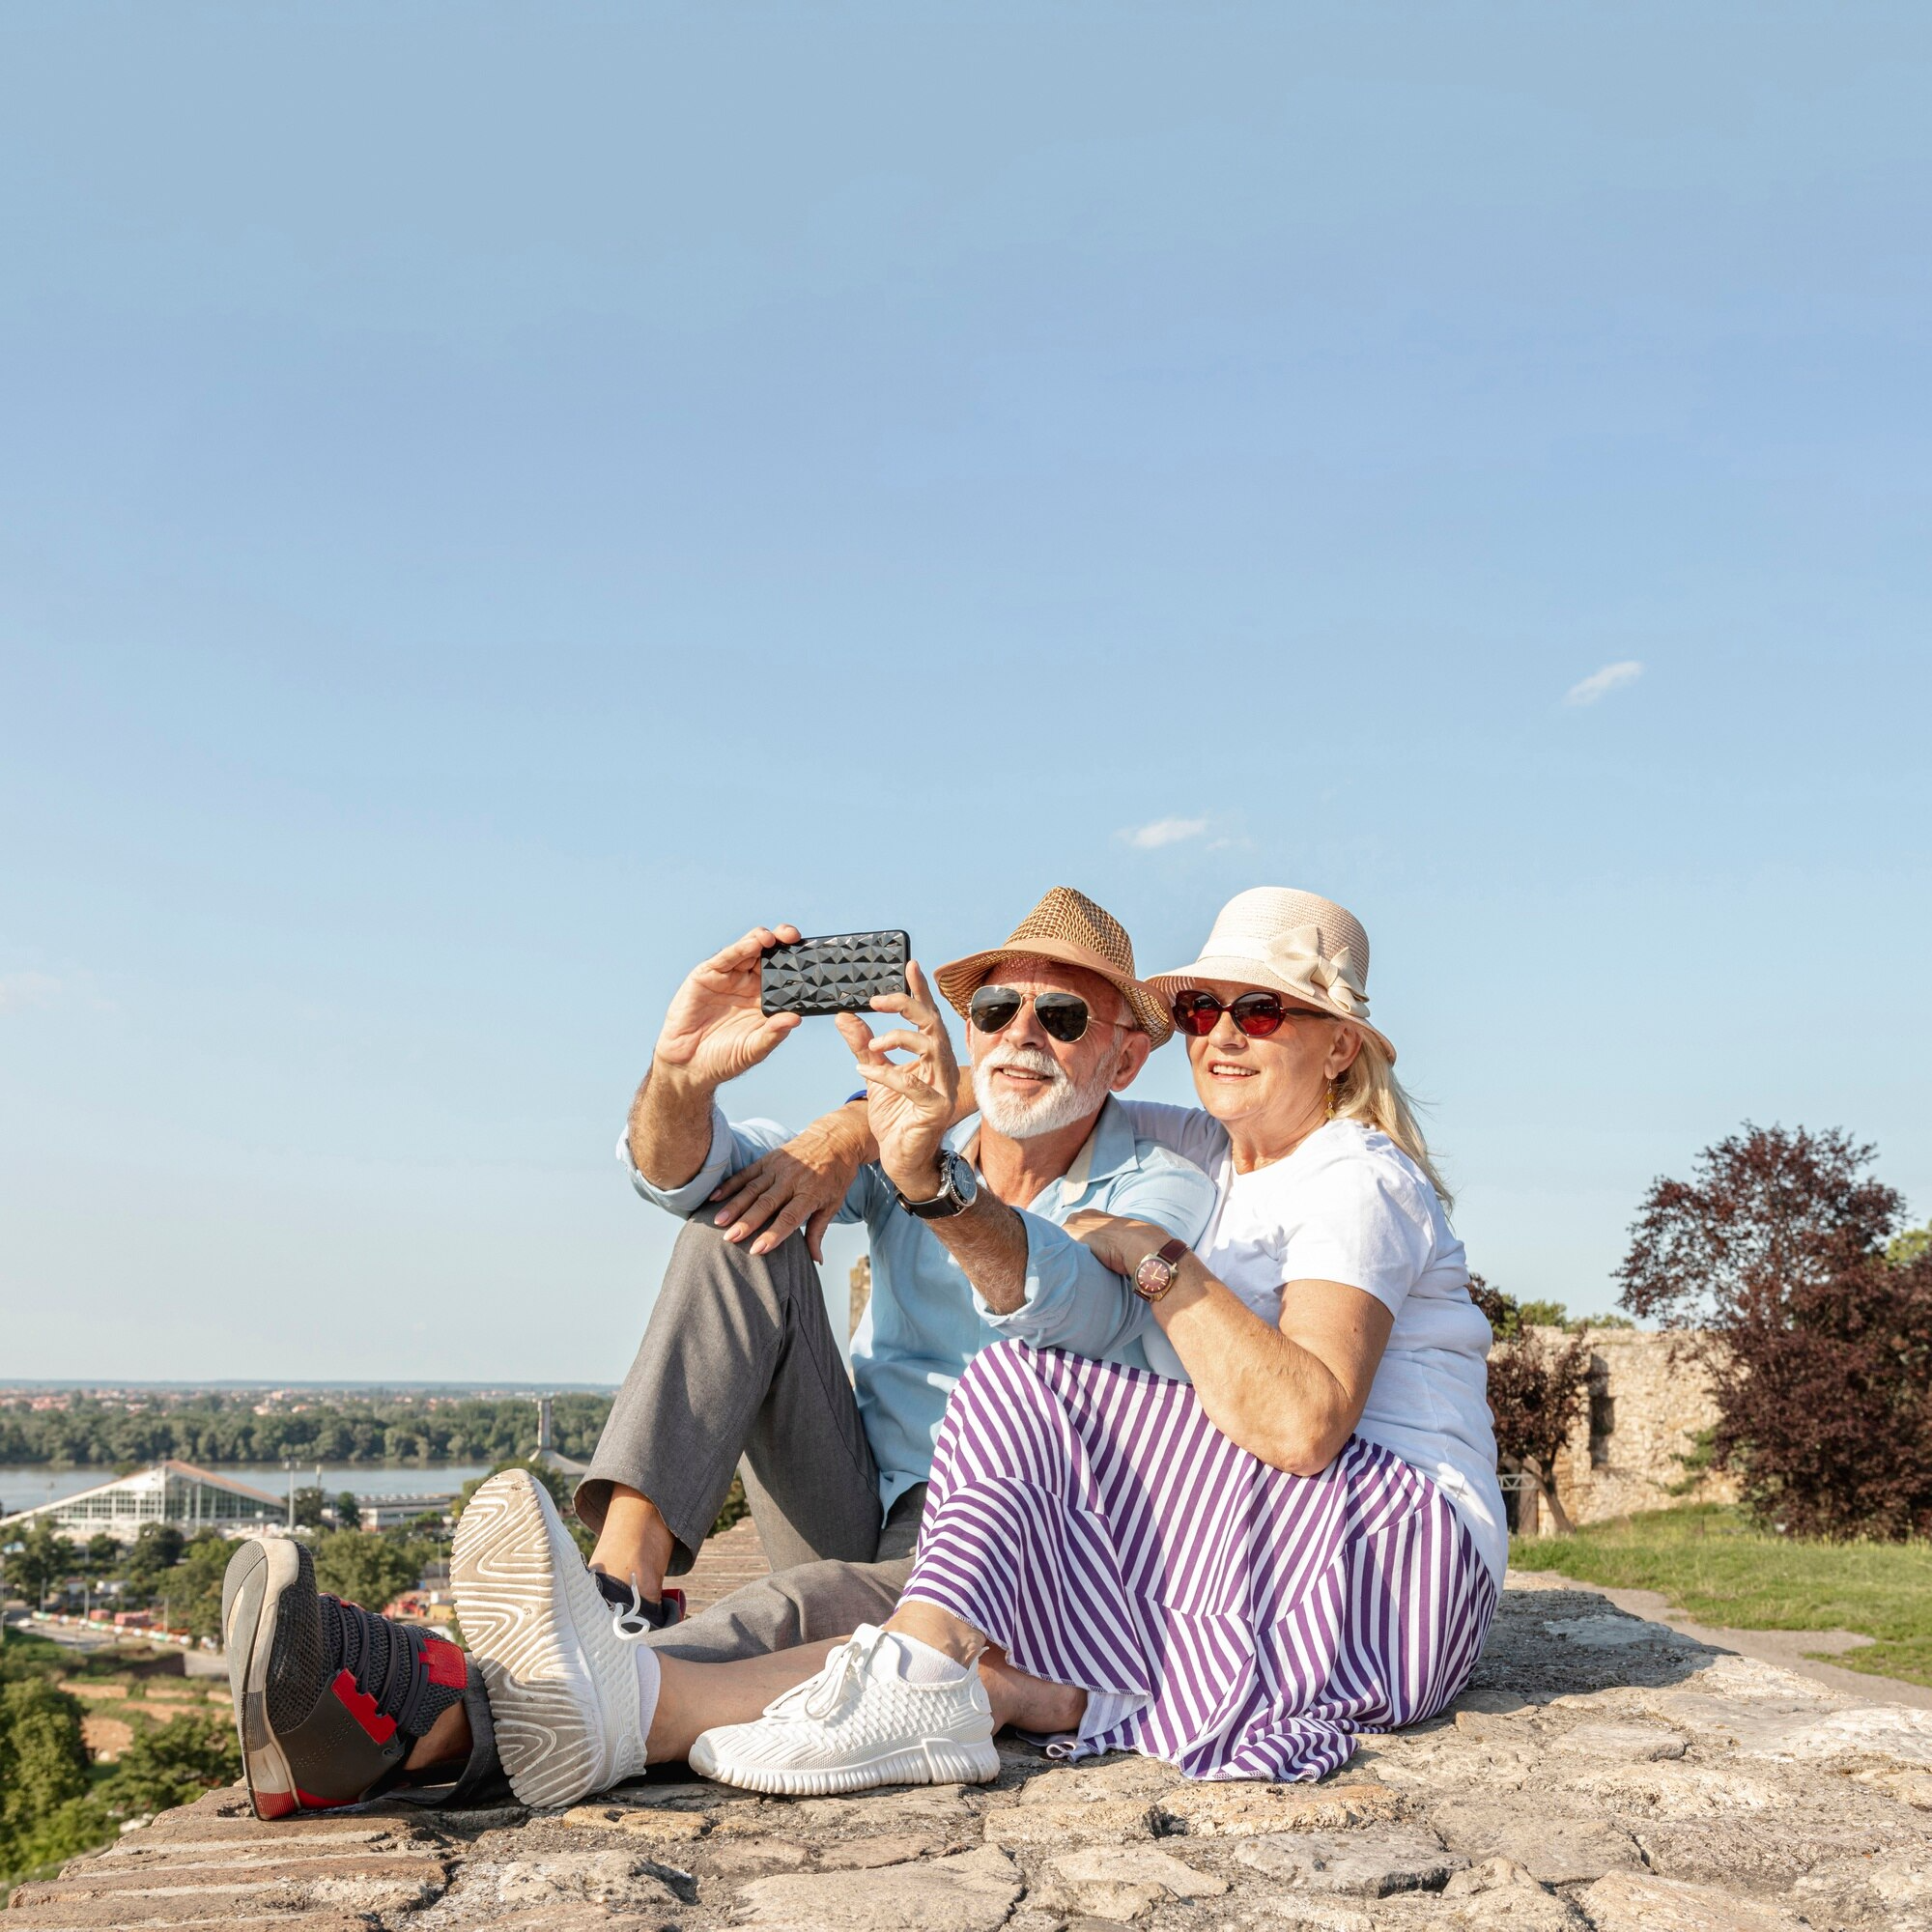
[1601, 683]
[26, 989]
[1164, 831]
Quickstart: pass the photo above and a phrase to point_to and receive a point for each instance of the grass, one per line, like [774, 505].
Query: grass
[1713, 1563]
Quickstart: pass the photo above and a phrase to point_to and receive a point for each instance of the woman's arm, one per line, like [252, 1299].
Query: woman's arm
[1289, 1396]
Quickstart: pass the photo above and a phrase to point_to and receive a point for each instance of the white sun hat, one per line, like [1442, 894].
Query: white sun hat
[1297, 944]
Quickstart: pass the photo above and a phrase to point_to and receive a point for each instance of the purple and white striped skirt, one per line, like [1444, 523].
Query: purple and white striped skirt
[1233, 1619]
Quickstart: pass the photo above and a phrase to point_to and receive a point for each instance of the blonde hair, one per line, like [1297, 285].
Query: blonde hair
[1370, 1092]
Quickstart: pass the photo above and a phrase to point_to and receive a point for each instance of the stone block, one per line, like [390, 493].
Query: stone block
[1370, 1864]
[1680, 1791]
[653, 1826]
[1629, 1902]
[1120, 1882]
[1560, 1849]
[972, 1893]
[886, 1848]
[1101, 1821]
[1645, 1742]
[1497, 1895]
[148, 1891]
[1239, 1810]
[594, 1878]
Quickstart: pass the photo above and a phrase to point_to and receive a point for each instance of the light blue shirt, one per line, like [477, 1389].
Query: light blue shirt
[925, 1320]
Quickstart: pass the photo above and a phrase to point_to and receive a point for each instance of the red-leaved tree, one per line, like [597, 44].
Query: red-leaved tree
[1536, 1388]
[1819, 1350]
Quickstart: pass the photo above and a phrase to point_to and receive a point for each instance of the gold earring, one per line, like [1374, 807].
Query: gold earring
[1334, 1089]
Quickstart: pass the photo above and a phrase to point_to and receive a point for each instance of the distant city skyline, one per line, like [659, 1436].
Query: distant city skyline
[497, 506]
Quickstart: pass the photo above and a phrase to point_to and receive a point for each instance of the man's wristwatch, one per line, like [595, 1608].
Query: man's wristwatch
[1160, 1270]
[958, 1189]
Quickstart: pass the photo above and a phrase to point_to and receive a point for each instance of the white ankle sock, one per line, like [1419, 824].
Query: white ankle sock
[650, 1679]
[920, 1663]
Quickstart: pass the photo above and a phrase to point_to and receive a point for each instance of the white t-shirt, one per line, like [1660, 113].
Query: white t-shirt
[1349, 1206]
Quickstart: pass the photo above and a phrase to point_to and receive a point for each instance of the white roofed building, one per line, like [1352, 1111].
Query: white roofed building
[188, 1497]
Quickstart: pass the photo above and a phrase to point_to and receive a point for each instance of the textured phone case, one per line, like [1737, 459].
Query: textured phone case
[840, 975]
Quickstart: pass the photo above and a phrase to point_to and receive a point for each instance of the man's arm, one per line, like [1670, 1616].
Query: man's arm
[1070, 1297]
[713, 1032]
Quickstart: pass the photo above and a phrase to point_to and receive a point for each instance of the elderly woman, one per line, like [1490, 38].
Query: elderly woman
[1292, 1531]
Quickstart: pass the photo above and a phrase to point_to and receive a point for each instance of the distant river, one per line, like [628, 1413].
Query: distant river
[23, 1485]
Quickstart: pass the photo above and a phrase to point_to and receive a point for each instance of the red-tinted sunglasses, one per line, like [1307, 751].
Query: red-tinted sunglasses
[1257, 1014]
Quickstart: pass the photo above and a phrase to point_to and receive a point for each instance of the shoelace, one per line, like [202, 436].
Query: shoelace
[629, 1620]
[817, 1697]
[632, 1620]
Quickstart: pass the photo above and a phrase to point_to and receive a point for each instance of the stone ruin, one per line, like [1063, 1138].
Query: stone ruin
[1648, 1403]
[1601, 1775]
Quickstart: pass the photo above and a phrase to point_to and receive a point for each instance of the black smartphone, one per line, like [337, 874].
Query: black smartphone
[841, 973]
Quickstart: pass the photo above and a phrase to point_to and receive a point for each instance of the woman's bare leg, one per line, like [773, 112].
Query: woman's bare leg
[693, 1697]
[1029, 1703]
[635, 1544]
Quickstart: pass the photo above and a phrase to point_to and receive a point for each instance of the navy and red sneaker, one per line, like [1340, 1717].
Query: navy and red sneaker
[632, 1614]
[330, 1698]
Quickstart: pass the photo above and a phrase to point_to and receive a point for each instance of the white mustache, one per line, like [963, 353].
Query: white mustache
[1026, 1059]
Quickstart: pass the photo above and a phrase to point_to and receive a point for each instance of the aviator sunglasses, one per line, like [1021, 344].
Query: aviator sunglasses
[1063, 1015]
[1257, 1014]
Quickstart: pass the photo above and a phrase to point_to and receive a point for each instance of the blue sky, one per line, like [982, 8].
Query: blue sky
[494, 501]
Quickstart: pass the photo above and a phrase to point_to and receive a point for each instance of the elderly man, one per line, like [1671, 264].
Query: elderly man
[739, 1363]
[739, 1360]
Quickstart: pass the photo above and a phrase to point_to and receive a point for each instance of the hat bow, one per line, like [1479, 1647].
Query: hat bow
[1298, 954]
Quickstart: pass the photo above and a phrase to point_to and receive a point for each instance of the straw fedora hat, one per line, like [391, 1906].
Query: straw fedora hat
[1069, 927]
[1295, 943]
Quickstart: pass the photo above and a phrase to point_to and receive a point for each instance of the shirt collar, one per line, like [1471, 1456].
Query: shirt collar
[1108, 1149]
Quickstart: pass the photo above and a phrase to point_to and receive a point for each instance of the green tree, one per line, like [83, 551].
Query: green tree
[42, 1777]
[194, 1585]
[42, 1560]
[103, 1553]
[348, 1511]
[364, 1566]
[311, 1508]
[1543, 1314]
[157, 1548]
[172, 1764]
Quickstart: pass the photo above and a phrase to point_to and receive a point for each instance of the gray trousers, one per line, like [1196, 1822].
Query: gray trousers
[739, 1364]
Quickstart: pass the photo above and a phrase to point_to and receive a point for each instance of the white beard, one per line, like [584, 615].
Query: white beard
[1058, 1104]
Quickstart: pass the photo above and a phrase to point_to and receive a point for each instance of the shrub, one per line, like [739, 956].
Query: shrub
[365, 1567]
[171, 1764]
[1536, 1389]
[43, 1778]
[1818, 1346]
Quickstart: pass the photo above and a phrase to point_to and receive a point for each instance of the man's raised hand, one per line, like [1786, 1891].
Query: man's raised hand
[714, 1030]
[910, 1103]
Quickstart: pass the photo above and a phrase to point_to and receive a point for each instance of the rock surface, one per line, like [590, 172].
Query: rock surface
[1600, 1773]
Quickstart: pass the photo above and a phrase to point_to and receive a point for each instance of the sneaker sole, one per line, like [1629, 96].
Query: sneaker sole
[934, 1761]
[513, 1567]
[251, 1596]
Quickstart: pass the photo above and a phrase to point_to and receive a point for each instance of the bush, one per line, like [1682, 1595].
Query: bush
[1818, 1346]
[364, 1566]
[1535, 1389]
[171, 1764]
[43, 1778]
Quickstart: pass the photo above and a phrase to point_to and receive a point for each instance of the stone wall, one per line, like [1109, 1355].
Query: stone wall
[1645, 1412]
[1600, 1775]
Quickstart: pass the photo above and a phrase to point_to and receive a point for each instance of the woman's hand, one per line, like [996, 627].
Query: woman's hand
[802, 1184]
[1121, 1243]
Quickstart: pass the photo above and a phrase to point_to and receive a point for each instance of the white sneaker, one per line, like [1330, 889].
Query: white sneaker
[856, 1725]
[566, 1691]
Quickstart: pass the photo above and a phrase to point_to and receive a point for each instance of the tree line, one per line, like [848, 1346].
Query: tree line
[219, 1426]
